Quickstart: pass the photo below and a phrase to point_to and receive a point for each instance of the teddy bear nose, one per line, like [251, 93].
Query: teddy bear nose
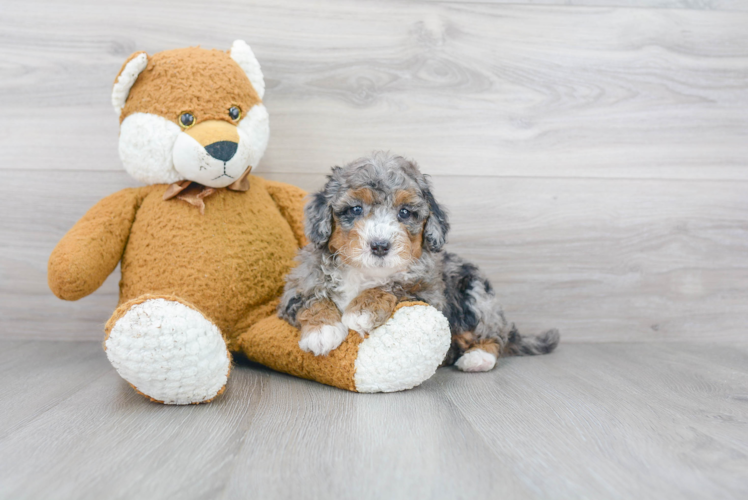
[222, 150]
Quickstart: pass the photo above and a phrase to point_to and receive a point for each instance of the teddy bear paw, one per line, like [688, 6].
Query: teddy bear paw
[169, 352]
[403, 352]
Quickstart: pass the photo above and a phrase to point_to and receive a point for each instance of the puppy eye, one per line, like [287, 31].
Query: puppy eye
[235, 113]
[404, 213]
[187, 120]
[357, 210]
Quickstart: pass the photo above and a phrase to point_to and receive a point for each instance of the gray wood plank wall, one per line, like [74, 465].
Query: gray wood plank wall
[593, 155]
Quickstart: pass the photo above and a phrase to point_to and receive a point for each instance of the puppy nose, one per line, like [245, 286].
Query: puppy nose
[222, 150]
[380, 248]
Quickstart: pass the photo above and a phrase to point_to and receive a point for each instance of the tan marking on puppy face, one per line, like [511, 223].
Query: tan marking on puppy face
[404, 197]
[413, 249]
[377, 302]
[205, 83]
[346, 243]
[363, 194]
[416, 244]
[320, 313]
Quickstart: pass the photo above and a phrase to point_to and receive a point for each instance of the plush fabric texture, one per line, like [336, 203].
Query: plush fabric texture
[134, 65]
[244, 57]
[146, 147]
[91, 250]
[203, 82]
[398, 355]
[422, 338]
[202, 275]
[167, 350]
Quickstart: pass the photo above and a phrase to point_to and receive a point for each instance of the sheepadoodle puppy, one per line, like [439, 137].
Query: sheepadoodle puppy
[376, 235]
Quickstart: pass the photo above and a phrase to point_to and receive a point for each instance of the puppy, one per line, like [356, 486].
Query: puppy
[376, 235]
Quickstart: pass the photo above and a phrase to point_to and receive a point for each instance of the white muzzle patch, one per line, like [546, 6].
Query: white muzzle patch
[155, 150]
[215, 165]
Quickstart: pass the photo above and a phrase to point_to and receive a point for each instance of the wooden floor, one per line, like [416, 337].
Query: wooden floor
[635, 420]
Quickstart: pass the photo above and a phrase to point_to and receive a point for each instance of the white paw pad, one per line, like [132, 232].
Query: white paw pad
[476, 360]
[169, 352]
[323, 339]
[361, 322]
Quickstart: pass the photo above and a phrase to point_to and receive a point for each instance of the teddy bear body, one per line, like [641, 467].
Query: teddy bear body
[229, 262]
[204, 247]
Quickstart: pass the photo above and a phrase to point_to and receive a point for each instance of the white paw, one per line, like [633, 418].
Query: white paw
[361, 322]
[476, 361]
[321, 340]
[169, 352]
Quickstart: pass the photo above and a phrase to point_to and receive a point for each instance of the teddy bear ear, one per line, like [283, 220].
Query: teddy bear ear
[245, 58]
[134, 65]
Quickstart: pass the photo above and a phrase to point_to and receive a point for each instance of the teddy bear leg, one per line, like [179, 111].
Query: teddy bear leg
[398, 355]
[167, 350]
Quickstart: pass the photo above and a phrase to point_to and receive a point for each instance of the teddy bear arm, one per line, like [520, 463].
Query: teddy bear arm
[290, 201]
[93, 247]
[399, 355]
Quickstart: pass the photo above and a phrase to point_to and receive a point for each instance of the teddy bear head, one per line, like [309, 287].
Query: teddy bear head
[191, 114]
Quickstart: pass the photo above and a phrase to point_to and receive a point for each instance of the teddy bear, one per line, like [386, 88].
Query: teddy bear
[204, 246]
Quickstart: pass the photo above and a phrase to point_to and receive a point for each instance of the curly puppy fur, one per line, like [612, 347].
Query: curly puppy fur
[376, 235]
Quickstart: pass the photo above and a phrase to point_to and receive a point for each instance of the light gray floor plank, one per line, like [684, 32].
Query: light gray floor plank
[59, 371]
[320, 442]
[616, 421]
[106, 441]
[598, 421]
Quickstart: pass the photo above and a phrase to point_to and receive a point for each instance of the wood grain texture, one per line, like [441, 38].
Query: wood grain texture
[503, 90]
[601, 259]
[593, 158]
[730, 5]
[603, 421]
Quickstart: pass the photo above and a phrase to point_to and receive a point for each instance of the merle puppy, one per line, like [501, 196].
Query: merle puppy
[376, 235]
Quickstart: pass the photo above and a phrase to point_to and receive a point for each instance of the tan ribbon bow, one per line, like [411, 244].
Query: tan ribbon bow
[194, 192]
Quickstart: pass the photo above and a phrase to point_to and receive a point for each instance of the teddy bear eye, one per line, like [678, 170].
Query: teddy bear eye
[235, 112]
[187, 120]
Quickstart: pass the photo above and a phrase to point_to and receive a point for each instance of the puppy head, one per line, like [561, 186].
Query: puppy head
[192, 114]
[377, 213]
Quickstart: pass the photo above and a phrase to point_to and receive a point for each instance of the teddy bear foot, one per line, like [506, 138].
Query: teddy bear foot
[403, 352]
[168, 351]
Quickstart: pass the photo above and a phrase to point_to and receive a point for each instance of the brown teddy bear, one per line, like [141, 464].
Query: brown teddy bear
[204, 247]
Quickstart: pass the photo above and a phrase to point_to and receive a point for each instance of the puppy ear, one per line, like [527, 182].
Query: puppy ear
[318, 212]
[129, 72]
[437, 225]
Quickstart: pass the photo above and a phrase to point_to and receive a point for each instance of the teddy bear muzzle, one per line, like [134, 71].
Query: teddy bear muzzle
[213, 153]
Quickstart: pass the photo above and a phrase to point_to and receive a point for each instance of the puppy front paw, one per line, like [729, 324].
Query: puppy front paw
[370, 310]
[359, 321]
[322, 339]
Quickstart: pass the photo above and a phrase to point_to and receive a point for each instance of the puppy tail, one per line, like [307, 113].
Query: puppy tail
[517, 345]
